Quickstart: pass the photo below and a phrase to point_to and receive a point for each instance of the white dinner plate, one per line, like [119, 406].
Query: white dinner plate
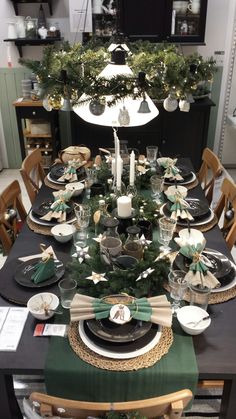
[115, 354]
[184, 182]
[47, 223]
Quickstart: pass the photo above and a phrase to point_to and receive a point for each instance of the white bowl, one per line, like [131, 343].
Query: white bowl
[75, 188]
[36, 305]
[171, 190]
[193, 313]
[192, 237]
[62, 232]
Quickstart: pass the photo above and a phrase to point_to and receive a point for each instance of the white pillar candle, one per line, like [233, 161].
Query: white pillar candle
[132, 168]
[119, 172]
[124, 208]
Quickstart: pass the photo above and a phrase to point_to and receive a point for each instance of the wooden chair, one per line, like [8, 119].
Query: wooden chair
[32, 173]
[210, 169]
[226, 206]
[10, 198]
[171, 405]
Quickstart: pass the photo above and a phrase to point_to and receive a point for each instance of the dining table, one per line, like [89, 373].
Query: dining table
[215, 349]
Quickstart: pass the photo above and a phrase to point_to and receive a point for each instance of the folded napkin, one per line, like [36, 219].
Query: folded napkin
[171, 172]
[199, 273]
[155, 309]
[58, 207]
[44, 269]
[39, 255]
[179, 209]
[70, 172]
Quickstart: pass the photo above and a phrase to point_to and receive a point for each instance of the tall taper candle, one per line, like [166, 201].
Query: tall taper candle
[119, 172]
[132, 168]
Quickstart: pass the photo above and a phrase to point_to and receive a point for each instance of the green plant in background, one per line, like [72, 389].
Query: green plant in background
[69, 71]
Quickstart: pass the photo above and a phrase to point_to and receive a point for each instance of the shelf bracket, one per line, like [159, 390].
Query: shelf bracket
[19, 47]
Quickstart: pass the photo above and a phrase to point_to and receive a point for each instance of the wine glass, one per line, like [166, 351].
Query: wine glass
[157, 182]
[151, 151]
[83, 214]
[178, 285]
[166, 231]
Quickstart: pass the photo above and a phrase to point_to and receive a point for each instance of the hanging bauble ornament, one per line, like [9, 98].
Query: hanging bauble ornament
[97, 107]
[170, 103]
[184, 105]
[55, 101]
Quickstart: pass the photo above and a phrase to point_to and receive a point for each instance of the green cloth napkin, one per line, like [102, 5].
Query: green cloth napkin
[43, 270]
[66, 375]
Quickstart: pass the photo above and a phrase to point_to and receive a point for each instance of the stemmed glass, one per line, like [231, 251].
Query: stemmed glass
[83, 214]
[151, 151]
[178, 285]
[166, 231]
[157, 182]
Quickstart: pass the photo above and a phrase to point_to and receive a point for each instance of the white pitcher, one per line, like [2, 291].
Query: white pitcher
[11, 32]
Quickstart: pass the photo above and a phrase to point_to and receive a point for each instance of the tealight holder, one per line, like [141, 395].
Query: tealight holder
[124, 222]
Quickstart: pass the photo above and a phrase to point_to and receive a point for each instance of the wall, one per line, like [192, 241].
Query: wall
[217, 20]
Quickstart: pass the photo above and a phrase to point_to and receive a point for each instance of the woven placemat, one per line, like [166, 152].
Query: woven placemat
[215, 298]
[203, 228]
[40, 229]
[53, 185]
[99, 361]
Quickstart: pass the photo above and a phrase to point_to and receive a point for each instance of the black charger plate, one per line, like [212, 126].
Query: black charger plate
[198, 209]
[122, 347]
[44, 208]
[58, 170]
[222, 267]
[24, 271]
[112, 332]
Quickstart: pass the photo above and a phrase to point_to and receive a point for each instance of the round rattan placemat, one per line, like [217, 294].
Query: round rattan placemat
[40, 229]
[142, 361]
[53, 185]
[203, 227]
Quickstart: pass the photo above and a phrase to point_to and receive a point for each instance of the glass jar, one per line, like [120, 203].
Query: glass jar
[110, 245]
[132, 245]
[31, 25]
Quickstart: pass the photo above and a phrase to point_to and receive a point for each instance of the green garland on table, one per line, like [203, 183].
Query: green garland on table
[120, 281]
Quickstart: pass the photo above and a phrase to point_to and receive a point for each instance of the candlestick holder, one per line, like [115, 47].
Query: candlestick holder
[124, 222]
[131, 191]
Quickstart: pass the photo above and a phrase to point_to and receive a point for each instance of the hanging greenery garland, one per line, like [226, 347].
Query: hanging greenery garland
[67, 71]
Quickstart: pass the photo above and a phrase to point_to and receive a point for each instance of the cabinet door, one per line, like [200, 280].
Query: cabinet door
[142, 19]
[185, 133]
[185, 21]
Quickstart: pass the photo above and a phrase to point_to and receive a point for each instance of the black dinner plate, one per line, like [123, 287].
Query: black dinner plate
[58, 170]
[122, 347]
[221, 265]
[24, 271]
[185, 171]
[197, 208]
[112, 332]
[44, 208]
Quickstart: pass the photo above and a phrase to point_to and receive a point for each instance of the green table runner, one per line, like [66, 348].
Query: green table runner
[67, 376]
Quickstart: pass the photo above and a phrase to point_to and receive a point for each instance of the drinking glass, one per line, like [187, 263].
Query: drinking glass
[151, 151]
[166, 231]
[83, 214]
[178, 285]
[199, 296]
[67, 289]
[157, 182]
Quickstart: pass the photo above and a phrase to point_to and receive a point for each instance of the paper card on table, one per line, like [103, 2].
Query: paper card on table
[3, 315]
[12, 328]
[39, 255]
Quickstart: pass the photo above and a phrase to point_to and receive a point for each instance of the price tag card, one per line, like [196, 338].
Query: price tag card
[12, 327]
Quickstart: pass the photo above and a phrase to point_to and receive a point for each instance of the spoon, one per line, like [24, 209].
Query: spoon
[196, 323]
[47, 310]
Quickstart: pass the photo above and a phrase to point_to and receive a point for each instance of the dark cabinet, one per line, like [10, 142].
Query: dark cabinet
[15, 4]
[153, 20]
[182, 134]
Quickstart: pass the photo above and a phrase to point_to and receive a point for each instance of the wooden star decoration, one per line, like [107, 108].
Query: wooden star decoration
[98, 239]
[145, 274]
[81, 254]
[143, 241]
[95, 277]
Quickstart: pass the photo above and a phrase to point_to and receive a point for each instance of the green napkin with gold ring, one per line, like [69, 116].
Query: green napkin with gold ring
[198, 273]
[44, 269]
[179, 207]
[171, 171]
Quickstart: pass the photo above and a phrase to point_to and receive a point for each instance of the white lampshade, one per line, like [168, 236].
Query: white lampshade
[124, 112]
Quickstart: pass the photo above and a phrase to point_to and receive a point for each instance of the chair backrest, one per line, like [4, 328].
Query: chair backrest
[227, 206]
[171, 405]
[210, 169]
[10, 198]
[32, 173]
